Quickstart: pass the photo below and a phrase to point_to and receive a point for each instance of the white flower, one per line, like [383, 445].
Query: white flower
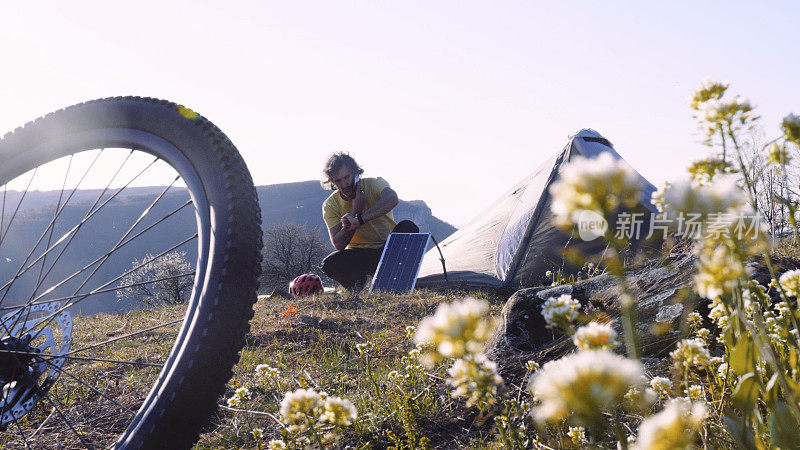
[410, 330]
[675, 427]
[586, 384]
[723, 371]
[637, 397]
[791, 128]
[598, 184]
[717, 272]
[577, 435]
[683, 197]
[702, 171]
[364, 348]
[339, 411]
[661, 385]
[704, 334]
[532, 366]
[475, 378]
[560, 311]
[695, 392]
[595, 336]
[719, 313]
[726, 110]
[784, 311]
[265, 371]
[708, 90]
[276, 444]
[242, 393]
[790, 282]
[258, 433]
[691, 353]
[300, 409]
[778, 154]
[456, 330]
[694, 320]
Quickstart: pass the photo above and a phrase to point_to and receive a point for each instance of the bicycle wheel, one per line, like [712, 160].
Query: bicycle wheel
[153, 379]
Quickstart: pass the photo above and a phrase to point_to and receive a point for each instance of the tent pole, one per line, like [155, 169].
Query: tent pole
[441, 258]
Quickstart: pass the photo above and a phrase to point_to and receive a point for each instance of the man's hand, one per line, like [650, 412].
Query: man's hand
[359, 201]
[349, 222]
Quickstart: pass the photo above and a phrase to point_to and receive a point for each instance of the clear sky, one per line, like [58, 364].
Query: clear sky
[451, 101]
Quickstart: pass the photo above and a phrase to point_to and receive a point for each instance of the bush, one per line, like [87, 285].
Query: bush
[166, 280]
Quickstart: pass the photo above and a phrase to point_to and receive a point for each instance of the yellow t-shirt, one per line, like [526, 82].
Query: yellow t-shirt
[372, 234]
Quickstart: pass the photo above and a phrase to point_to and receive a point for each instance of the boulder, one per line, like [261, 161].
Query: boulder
[662, 288]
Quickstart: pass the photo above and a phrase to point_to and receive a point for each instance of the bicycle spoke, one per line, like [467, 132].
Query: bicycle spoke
[80, 358]
[92, 388]
[101, 291]
[90, 214]
[87, 266]
[21, 433]
[83, 296]
[20, 270]
[50, 236]
[55, 216]
[64, 418]
[16, 210]
[130, 230]
[3, 211]
[149, 227]
[109, 341]
[115, 361]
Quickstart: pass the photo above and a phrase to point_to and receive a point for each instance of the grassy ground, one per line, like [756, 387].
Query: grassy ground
[76, 395]
[313, 344]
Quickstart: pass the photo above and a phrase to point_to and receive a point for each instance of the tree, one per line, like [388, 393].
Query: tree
[166, 280]
[290, 250]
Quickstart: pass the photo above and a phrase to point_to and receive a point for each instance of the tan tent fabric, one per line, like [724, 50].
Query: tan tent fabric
[513, 242]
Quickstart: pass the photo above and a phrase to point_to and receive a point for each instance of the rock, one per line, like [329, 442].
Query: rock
[663, 292]
[556, 291]
[522, 327]
[669, 313]
[657, 286]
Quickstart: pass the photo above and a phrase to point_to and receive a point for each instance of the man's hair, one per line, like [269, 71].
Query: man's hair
[335, 162]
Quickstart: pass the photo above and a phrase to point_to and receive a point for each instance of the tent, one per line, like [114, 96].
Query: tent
[513, 242]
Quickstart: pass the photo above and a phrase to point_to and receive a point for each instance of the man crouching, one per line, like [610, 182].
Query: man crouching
[359, 219]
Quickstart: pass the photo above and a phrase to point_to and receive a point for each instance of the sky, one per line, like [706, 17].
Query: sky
[452, 102]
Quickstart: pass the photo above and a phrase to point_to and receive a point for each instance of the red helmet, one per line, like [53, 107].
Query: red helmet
[305, 285]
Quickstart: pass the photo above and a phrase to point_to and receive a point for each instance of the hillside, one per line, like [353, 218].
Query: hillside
[290, 202]
[301, 202]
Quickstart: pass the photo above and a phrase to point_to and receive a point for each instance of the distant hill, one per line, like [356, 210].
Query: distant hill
[299, 202]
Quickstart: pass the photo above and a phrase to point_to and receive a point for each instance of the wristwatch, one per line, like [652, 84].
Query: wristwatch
[360, 219]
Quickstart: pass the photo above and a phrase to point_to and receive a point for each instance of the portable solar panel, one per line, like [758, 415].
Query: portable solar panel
[400, 262]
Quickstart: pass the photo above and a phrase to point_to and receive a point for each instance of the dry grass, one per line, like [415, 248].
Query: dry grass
[315, 347]
[312, 341]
